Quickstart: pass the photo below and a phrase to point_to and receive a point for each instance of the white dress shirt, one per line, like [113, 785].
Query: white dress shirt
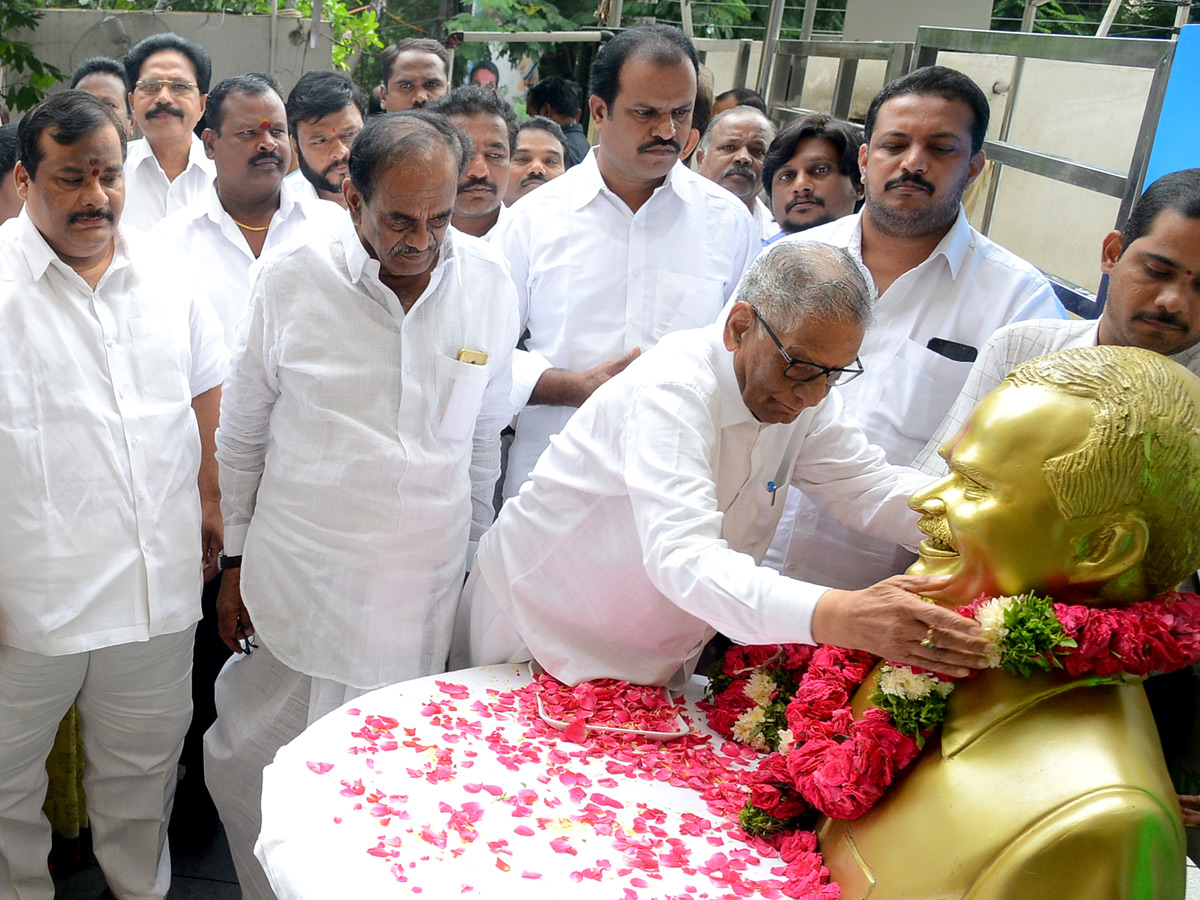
[763, 220]
[358, 455]
[967, 288]
[644, 523]
[98, 444]
[1003, 352]
[300, 187]
[150, 195]
[595, 280]
[208, 234]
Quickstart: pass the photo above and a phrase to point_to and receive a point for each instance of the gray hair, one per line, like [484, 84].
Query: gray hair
[768, 129]
[793, 283]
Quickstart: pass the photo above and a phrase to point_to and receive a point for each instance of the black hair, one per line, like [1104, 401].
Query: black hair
[471, 100]
[156, 43]
[939, 81]
[385, 139]
[486, 66]
[663, 45]
[1178, 191]
[744, 97]
[424, 45]
[320, 94]
[102, 65]
[253, 83]
[562, 95]
[701, 113]
[541, 123]
[845, 137]
[67, 117]
[8, 148]
[374, 106]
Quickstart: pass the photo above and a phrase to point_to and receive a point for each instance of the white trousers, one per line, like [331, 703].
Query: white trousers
[262, 704]
[135, 703]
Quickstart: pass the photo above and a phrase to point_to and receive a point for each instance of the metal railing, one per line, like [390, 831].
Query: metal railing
[790, 63]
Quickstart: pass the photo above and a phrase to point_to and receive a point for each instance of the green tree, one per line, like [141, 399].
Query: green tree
[33, 77]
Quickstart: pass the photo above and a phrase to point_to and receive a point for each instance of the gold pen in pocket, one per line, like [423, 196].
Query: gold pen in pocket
[474, 357]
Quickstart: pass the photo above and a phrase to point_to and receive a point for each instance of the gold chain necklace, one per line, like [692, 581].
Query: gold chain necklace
[250, 227]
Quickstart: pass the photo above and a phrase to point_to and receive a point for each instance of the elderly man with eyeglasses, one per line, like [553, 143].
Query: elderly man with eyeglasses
[167, 77]
[641, 531]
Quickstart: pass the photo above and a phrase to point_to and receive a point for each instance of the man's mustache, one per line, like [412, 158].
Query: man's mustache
[911, 178]
[1164, 318]
[165, 110]
[803, 198]
[88, 216]
[266, 154]
[477, 182]
[653, 145]
[739, 169]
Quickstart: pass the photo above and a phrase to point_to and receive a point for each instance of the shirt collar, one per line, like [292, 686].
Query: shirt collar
[362, 267]
[217, 213]
[40, 256]
[953, 245]
[140, 150]
[733, 408]
[589, 183]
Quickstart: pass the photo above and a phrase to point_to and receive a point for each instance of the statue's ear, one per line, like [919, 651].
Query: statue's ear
[1108, 546]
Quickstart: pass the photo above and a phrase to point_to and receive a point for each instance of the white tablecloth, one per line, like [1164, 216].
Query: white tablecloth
[433, 786]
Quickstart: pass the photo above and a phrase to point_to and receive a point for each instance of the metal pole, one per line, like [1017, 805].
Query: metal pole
[685, 11]
[770, 42]
[1109, 17]
[810, 16]
[1181, 15]
[614, 13]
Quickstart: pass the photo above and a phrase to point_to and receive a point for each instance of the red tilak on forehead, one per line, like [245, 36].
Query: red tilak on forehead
[95, 172]
[266, 125]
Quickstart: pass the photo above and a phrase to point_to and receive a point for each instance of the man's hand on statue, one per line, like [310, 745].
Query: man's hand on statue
[890, 620]
[1190, 804]
[233, 619]
[559, 387]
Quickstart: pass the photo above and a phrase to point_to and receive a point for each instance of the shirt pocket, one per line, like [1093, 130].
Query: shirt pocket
[160, 357]
[685, 301]
[460, 397]
[921, 386]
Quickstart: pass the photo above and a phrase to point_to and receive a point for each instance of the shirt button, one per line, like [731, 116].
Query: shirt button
[408, 370]
[141, 494]
[109, 343]
[121, 392]
[133, 442]
[146, 547]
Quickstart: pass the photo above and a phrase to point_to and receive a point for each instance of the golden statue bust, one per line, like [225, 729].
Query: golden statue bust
[1079, 477]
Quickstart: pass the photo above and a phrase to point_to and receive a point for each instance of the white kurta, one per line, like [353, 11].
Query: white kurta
[595, 280]
[150, 196]
[358, 455]
[644, 523]
[205, 231]
[967, 288]
[99, 448]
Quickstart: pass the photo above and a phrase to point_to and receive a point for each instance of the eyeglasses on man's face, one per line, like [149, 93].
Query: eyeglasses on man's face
[149, 87]
[803, 371]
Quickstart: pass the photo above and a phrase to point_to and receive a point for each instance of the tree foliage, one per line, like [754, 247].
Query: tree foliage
[33, 77]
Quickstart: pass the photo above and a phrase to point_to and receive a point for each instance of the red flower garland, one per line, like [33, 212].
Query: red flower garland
[842, 766]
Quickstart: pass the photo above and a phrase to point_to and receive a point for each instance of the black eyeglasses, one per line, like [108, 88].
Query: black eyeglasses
[803, 371]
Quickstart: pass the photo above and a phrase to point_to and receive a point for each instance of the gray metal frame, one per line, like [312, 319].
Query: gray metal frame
[1141, 53]
[790, 62]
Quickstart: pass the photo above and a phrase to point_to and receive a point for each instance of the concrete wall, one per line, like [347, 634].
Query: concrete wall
[237, 44]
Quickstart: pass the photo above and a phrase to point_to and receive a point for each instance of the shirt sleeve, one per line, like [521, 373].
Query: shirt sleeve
[668, 449]
[246, 405]
[210, 356]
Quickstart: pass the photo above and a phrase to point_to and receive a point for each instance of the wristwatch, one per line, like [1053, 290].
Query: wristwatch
[228, 562]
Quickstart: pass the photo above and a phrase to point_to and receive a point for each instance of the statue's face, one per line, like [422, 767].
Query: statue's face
[993, 522]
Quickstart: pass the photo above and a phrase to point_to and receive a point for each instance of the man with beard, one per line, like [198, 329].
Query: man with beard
[245, 211]
[943, 289]
[325, 113]
[811, 172]
[359, 447]
[540, 155]
[167, 78]
[624, 247]
[110, 386]
[731, 153]
[488, 120]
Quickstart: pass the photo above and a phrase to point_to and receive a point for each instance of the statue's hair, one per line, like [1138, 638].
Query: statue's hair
[1142, 451]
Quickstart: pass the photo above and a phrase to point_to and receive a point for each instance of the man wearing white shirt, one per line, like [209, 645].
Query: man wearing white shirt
[943, 289]
[623, 248]
[245, 212]
[731, 153]
[491, 124]
[1152, 302]
[110, 373]
[167, 169]
[644, 523]
[359, 446]
[325, 114]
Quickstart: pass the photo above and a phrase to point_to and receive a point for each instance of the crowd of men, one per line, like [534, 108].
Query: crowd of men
[278, 357]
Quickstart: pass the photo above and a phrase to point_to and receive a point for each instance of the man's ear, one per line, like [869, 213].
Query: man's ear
[209, 138]
[1111, 250]
[975, 167]
[21, 176]
[598, 109]
[1107, 546]
[741, 317]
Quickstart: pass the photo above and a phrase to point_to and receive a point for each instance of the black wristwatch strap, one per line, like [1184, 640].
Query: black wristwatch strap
[228, 562]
